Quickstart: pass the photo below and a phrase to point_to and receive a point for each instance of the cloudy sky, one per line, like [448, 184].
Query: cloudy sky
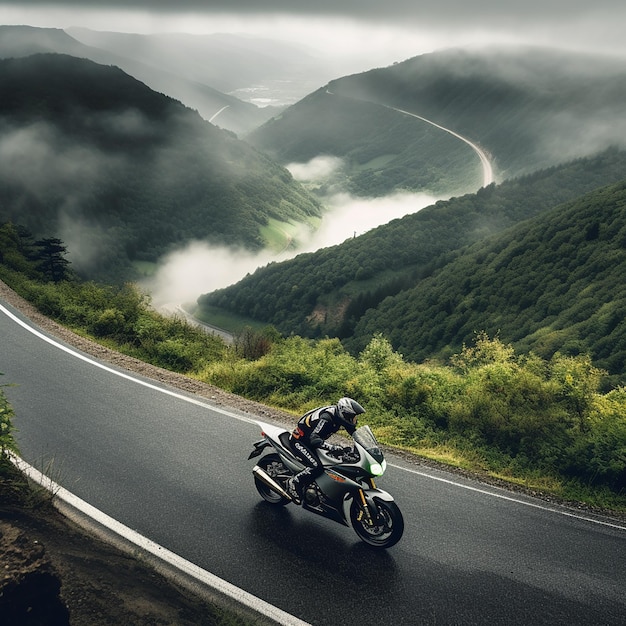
[390, 31]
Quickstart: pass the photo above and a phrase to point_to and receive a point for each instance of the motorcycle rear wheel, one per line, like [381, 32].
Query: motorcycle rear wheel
[384, 533]
[272, 465]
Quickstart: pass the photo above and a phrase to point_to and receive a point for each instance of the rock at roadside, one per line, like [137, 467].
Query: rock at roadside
[29, 585]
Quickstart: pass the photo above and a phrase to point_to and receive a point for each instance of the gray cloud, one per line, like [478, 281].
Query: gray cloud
[449, 9]
[370, 31]
[440, 12]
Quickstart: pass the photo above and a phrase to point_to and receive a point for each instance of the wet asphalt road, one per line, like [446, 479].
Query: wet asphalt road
[175, 469]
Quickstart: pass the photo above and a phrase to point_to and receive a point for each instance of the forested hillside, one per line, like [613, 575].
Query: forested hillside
[122, 174]
[553, 283]
[381, 149]
[529, 108]
[327, 292]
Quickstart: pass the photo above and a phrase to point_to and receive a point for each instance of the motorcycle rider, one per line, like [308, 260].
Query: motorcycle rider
[310, 435]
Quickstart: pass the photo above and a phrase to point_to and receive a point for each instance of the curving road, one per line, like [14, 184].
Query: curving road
[488, 177]
[174, 468]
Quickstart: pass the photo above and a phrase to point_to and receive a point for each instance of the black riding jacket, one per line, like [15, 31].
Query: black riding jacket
[316, 426]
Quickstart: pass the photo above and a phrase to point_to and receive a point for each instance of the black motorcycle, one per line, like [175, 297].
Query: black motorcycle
[345, 492]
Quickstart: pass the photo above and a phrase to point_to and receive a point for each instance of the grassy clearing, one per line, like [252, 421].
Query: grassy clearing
[378, 163]
[280, 236]
[145, 268]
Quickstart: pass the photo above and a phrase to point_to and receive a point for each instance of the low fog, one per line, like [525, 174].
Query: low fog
[198, 268]
[34, 158]
[37, 163]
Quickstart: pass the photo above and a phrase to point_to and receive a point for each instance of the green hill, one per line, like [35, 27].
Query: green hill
[122, 174]
[553, 283]
[528, 108]
[381, 149]
[327, 292]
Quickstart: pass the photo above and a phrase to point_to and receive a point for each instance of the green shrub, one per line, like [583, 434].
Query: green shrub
[7, 442]
[598, 455]
[109, 323]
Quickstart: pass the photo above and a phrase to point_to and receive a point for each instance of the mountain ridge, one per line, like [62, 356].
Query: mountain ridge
[551, 283]
[529, 108]
[234, 114]
[337, 291]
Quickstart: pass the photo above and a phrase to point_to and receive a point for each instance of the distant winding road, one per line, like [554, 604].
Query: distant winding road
[488, 177]
[173, 466]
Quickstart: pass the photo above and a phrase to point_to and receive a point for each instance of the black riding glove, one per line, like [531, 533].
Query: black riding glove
[333, 450]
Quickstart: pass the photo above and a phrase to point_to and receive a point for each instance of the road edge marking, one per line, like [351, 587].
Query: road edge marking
[502, 496]
[194, 578]
[107, 368]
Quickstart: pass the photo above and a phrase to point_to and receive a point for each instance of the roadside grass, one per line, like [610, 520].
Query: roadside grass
[14, 487]
[534, 483]
[17, 489]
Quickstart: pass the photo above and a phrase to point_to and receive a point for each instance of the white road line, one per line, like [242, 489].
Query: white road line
[111, 370]
[510, 498]
[161, 554]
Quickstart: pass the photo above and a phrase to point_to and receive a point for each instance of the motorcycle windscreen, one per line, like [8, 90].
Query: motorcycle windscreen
[365, 438]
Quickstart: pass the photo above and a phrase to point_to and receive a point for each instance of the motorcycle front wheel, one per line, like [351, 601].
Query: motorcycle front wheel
[273, 466]
[383, 532]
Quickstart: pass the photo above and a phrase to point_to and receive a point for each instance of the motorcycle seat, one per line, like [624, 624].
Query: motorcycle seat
[284, 439]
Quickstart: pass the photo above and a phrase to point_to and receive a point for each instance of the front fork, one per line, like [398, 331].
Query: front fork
[368, 511]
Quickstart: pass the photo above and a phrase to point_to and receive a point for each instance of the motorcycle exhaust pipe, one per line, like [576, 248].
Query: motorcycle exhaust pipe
[269, 481]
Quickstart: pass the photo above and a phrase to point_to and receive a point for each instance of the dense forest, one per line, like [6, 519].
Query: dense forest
[553, 283]
[528, 108]
[122, 174]
[328, 292]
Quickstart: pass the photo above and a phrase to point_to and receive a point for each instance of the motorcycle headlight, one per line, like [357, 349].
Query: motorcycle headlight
[378, 469]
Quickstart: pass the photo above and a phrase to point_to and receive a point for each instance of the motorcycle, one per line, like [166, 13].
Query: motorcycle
[345, 492]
